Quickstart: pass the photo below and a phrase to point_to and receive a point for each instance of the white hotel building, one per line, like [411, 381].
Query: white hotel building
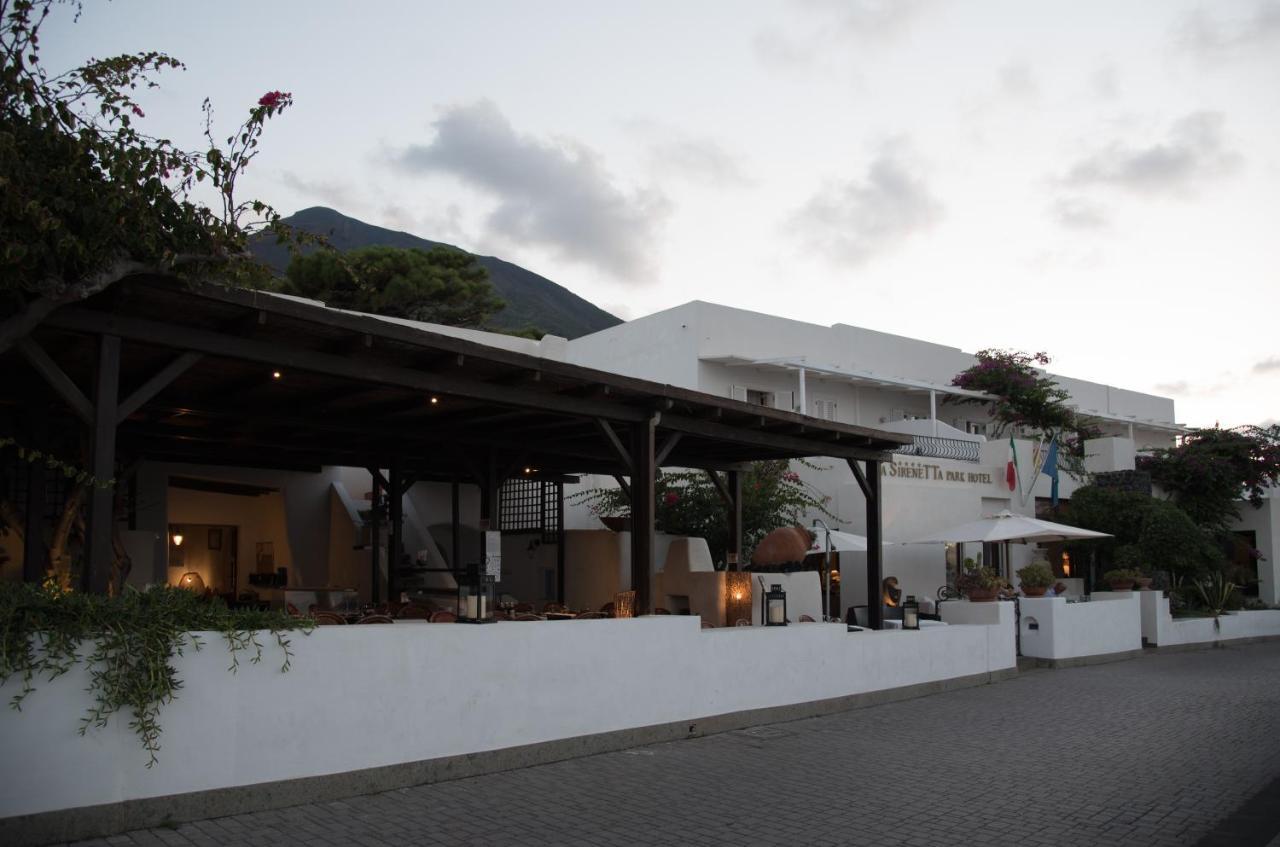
[951, 475]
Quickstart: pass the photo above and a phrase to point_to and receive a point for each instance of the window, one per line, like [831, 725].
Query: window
[760, 398]
[824, 409]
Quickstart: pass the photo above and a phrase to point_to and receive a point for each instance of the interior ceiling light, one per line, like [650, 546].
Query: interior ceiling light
[275, 374]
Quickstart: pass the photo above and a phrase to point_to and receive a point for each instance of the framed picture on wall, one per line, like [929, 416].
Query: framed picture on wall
[215, 538]
[266, 557]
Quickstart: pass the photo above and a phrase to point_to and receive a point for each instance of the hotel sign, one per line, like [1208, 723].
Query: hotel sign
[936, 473]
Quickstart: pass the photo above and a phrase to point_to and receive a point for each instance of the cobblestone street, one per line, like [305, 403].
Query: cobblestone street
[1150, 751]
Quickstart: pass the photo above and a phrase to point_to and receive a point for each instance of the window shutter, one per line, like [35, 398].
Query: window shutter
[738, 392]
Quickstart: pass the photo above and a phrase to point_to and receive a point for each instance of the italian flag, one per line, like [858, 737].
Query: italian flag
[1011, 470]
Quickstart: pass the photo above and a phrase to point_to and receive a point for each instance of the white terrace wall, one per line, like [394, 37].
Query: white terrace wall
[1110, 623]
[1160, 628]
[362, 697]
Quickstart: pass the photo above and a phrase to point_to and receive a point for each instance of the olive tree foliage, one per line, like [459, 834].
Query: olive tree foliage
[441, 285]
[87, 197]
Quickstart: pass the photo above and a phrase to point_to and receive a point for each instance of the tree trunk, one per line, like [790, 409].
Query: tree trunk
[59, 554]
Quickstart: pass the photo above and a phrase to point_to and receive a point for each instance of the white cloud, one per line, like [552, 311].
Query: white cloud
[1214, 39]
[856, 220]
[700, 160]
[1079, 213]
[1018, 81]
[1266, 366]
[1193, 149]
[554, 194]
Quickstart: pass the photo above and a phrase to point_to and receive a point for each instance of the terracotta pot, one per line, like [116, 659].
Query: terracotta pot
[982, 595]
[1037, 591]
[1121, 584]
[1144, 583]
[785, 545]
[617, 524]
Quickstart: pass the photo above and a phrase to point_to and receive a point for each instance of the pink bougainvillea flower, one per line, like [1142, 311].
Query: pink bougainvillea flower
[272, 98]
[671, 498]
[137, 111]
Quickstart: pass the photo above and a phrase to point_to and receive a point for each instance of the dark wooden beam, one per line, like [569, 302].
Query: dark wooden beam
[862, 480]
[375, 538]
[791, 444]
[58, 379]
[560, 542]
[612, 439]
[20, 325]
[395, 492]
[875, 547]
[156, 384]
[643, 472]
[733, 551]
[99, 551]
[668, 445]
[347, 367]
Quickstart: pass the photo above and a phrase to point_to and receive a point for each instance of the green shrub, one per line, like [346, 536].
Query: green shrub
[1035, 575]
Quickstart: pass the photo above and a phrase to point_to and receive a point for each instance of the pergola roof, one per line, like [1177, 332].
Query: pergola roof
[357, 390]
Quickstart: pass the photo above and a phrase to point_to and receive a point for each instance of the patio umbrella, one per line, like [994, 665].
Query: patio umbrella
[1009, 528]
[1006, 526]
[840, 541]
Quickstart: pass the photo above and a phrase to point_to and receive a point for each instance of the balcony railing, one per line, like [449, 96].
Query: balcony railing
[942, 448]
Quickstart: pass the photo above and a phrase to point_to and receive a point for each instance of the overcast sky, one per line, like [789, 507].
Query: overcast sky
[1099, 180]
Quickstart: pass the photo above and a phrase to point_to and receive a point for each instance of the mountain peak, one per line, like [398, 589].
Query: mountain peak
[532, 300]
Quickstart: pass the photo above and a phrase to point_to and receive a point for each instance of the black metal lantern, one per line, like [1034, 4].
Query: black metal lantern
[774, 606]
[911, 612]
[477, 596]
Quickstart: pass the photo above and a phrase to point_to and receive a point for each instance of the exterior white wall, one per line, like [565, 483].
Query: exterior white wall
[1110, 623]
[1265, 523]
[670, 347]
[450, 690]
[1159, 627]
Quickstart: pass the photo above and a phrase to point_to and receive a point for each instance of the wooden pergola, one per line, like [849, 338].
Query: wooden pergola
[155, 369]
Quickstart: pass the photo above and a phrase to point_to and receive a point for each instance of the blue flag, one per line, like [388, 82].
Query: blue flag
[1051, 469]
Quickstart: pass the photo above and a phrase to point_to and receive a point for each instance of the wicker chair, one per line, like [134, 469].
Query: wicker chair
[414, 611]
[553, 607]
[742, 622]
[528, 616]
[706, 624]
[521, 608]
[591, 615]
[807, 619]
[328, 618]
[444, 616]
[607, 609]
[377, 619]
[661, 611]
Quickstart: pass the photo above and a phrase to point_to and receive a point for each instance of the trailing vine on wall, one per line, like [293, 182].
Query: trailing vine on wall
[128, 644]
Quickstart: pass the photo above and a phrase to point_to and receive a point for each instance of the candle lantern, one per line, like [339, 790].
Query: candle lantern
[774, 606]
[476, 596]
[911, 613]
[737, 597]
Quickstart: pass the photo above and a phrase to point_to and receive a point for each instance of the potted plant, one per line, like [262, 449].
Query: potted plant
[1035, 579]
[978, 583]
[1143, 581]
[1121, 579]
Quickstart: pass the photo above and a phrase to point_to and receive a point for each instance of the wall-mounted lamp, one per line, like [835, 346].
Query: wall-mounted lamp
[275, 374]
[177, 539]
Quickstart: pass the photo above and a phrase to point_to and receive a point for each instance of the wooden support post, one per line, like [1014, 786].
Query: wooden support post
[395, 492]
[375, 537]
[35, 552]
[99, 551]
[733, 551]
[560, 542]
[642, 507]
[455, 528]
[875, 549]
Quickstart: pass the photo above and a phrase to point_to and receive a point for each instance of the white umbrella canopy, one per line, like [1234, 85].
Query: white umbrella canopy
[840, 541]
[1006, 526]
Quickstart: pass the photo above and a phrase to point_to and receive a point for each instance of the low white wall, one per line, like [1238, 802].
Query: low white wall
[361, 697]
[1160, 628]
[1110, 623]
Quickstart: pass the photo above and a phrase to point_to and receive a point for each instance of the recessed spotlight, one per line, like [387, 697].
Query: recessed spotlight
[435, 400]
[275, 374]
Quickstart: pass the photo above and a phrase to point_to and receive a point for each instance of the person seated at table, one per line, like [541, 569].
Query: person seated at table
[1056, 590]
